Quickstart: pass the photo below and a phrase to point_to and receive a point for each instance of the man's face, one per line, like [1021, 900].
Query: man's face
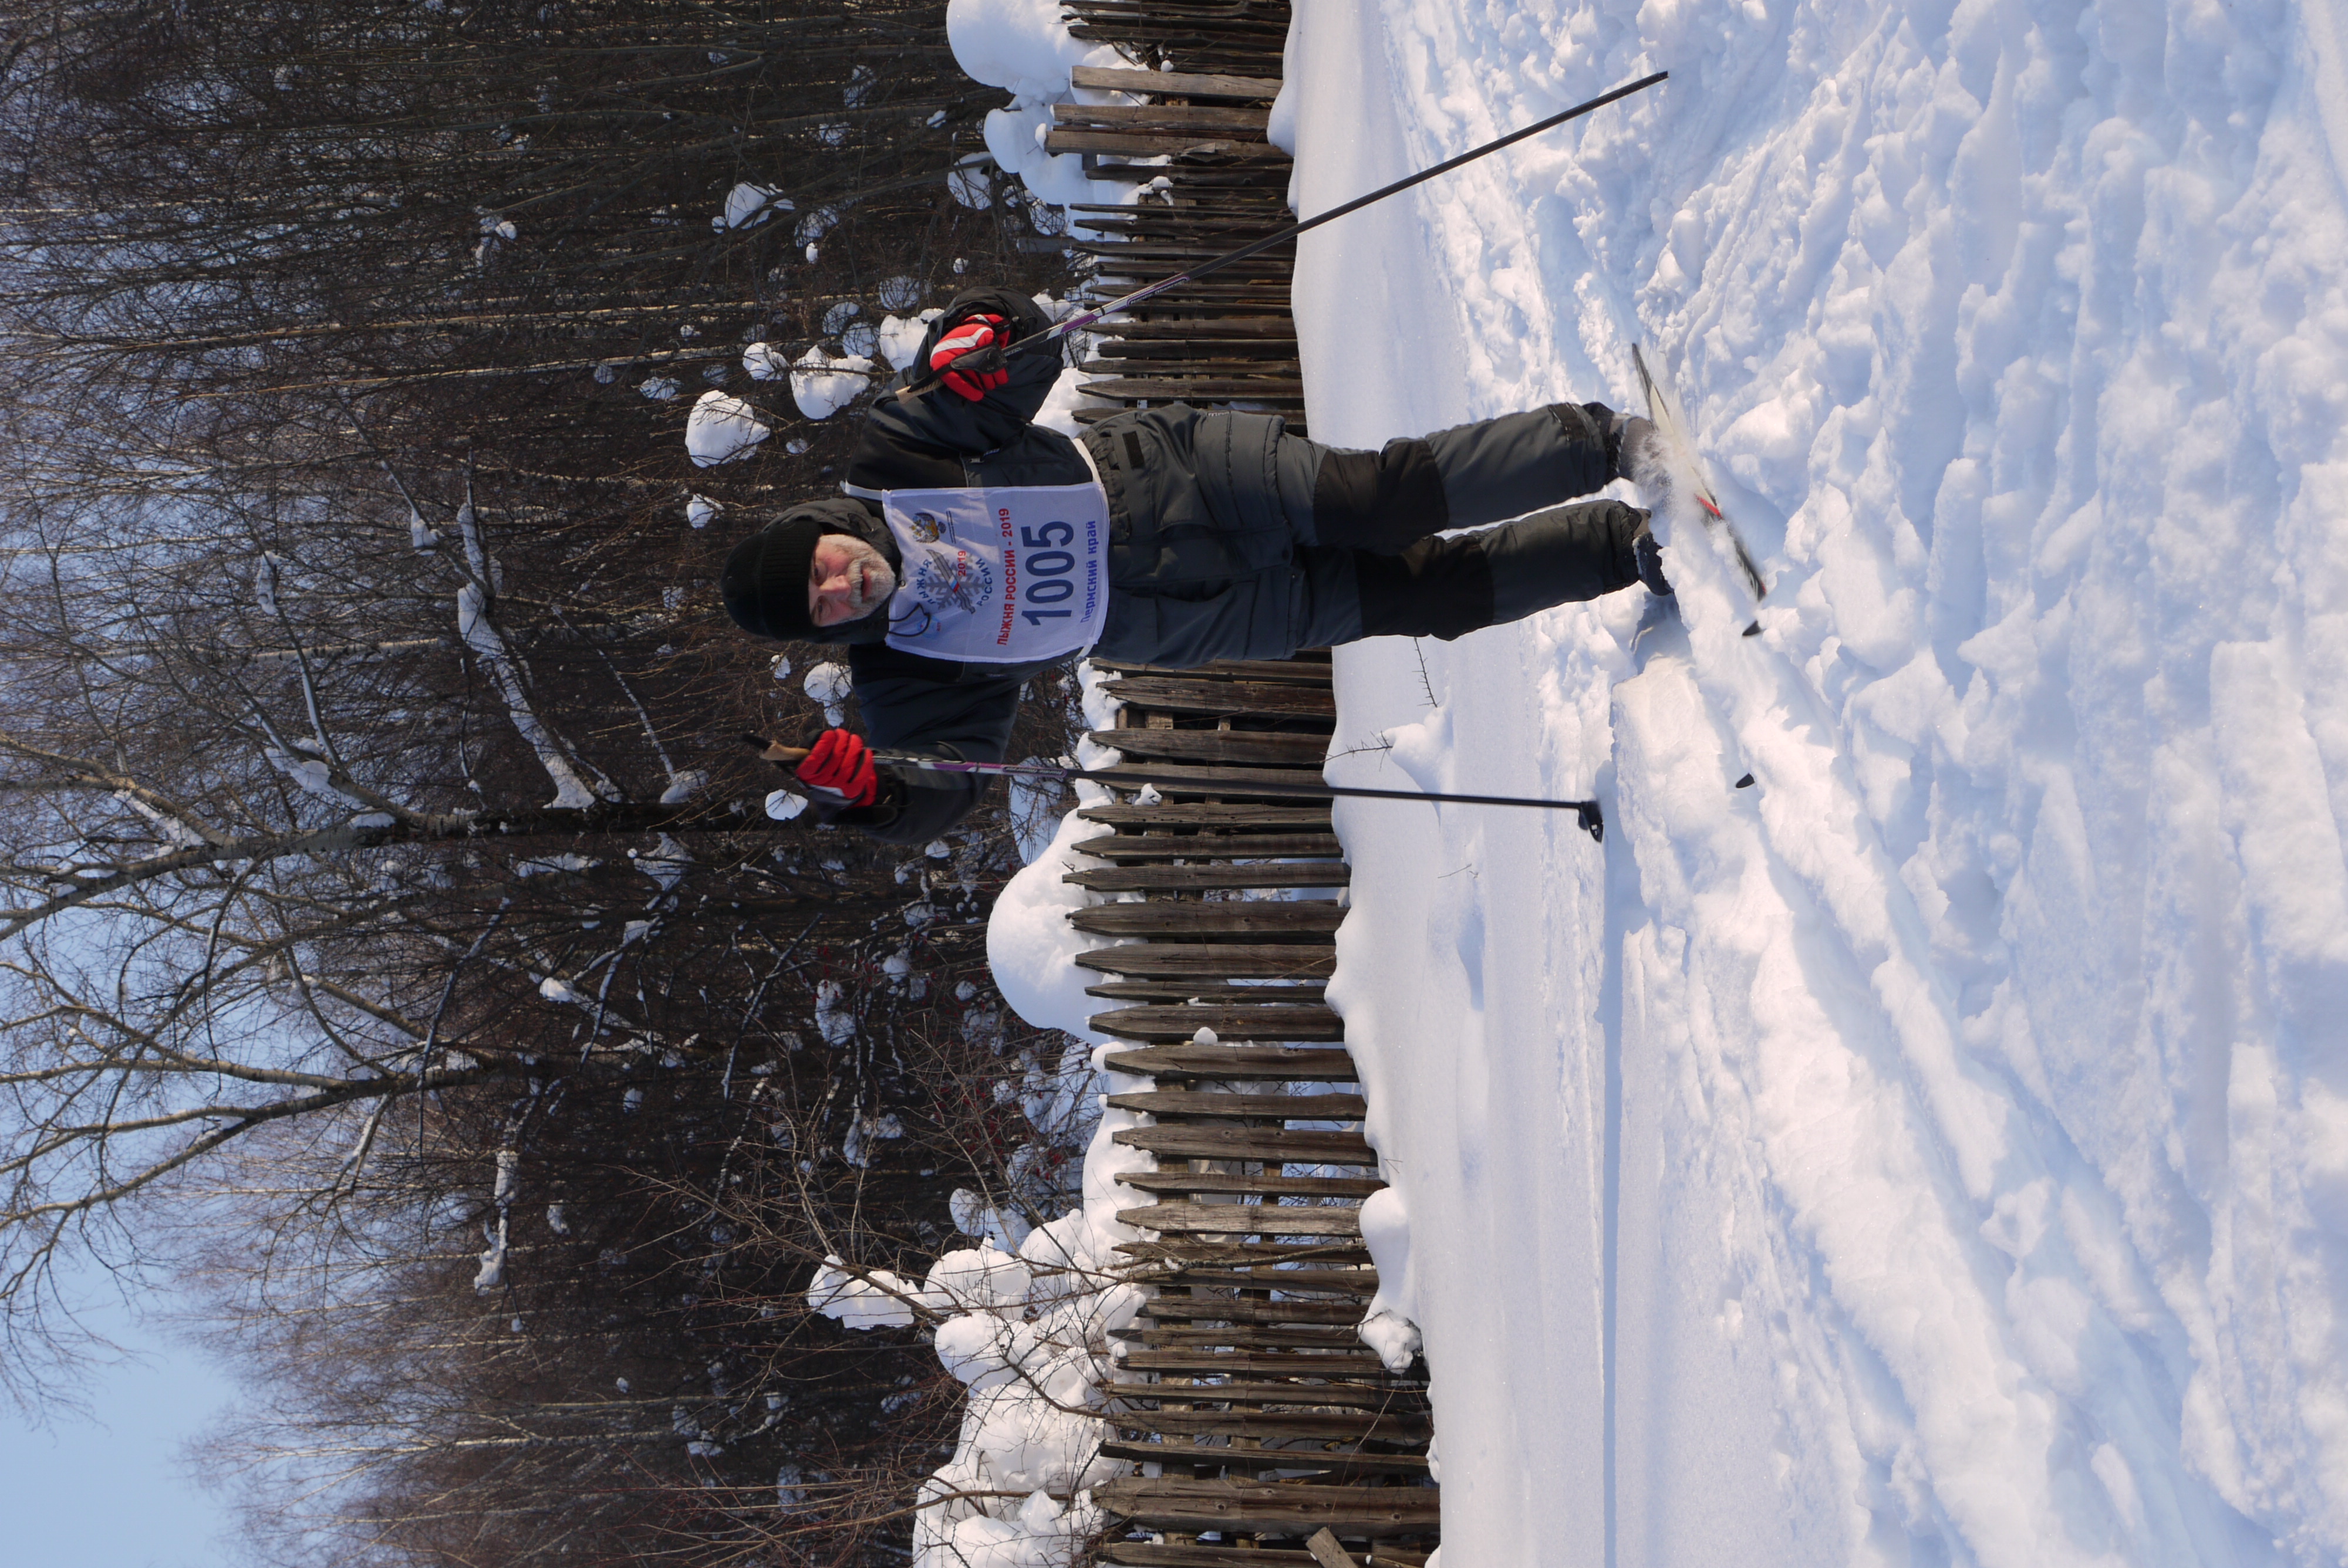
[848, 579]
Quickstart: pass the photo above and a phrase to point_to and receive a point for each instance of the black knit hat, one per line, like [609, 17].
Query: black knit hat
[766, 580]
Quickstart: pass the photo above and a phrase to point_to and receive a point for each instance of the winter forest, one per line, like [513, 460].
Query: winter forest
[399, 970]
[1915, 1135]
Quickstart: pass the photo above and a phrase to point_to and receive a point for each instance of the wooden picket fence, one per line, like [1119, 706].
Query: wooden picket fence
[1230, 339]
[1267, 1432]
[1243, 1384]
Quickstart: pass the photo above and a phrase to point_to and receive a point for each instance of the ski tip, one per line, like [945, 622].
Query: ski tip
[1753, 629]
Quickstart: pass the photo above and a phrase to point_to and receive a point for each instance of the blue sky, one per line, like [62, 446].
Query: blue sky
[110, 1491]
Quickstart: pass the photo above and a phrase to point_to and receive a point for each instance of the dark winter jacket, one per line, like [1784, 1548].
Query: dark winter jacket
[1186, 588]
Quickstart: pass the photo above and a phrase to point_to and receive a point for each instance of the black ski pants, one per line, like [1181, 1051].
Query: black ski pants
[1384, 510]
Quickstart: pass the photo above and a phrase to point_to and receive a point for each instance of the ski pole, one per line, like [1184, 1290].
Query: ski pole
[1084, 318]
[1592, 820]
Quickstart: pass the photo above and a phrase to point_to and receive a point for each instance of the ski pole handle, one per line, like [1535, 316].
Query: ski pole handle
[775, 751]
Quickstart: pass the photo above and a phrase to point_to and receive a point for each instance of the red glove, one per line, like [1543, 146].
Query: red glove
[841, 766]
[978, 344]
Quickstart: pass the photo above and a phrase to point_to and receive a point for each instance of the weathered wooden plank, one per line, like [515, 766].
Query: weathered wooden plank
[1257, 190]
[1233, 1063]
[1171, 1503]
[1221, 26]
[1288, 1464]
[1233, 918]
[1164, 1102]
[1181, 211]
[1139, 260]
[1348, 1285]
[1245, 783]
[1194, 1251]
[1233, 961]
[1283, 1144]
[1227, 37]
[1198, 1252]
[1190, 373]
[1252, 1397]
[1174, 234]
[1172, 1306]
[1185, 248]
[1245, 1219]
[1202, 991]
[1264, 699]
[1197, 365]
[1327, 1466]
[1214, 878]
[1235, 846]
[1177, 1182]
[1240, 1337]
[1174, 1555]
[1341, 1464]
[1175, 84]
[1222, 146]
[1208, 299]
[1301, 671]
[1290, 1426]
[1326, 1553]
[1203, 359]
[1247, 1315]
[1272, 1021]
[1198, 240]
[1252, 353]
[1279, 327]
[1253, 1364]
[1232, 121]
[1237, 747]
[1220, 51]
[1172, 229]
[1246, 290]
[1203, 815]
[1171, 1554]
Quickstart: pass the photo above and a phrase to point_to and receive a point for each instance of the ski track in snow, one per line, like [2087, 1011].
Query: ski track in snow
[1939, 1152]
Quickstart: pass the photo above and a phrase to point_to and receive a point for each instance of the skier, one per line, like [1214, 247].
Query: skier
[974, 548]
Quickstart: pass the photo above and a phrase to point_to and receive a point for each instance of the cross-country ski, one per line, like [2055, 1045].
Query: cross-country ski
[1684, 480]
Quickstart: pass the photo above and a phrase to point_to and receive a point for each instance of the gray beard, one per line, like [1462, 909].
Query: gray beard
[877, 585]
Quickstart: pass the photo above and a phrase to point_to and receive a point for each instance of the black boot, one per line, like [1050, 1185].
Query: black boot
[1447, 587]
[1563, 556]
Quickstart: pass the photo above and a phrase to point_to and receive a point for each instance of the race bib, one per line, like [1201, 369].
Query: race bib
[1017, 575]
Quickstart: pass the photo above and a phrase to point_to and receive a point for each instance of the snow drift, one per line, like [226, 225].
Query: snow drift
[1935, 1151]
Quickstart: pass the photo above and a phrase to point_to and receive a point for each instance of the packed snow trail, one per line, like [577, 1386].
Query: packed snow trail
[1937, 1153]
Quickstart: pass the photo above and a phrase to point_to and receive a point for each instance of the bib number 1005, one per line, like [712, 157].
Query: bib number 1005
[1050, 571]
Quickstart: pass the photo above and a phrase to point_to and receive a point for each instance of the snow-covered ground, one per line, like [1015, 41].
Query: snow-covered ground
[1937, 1152]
